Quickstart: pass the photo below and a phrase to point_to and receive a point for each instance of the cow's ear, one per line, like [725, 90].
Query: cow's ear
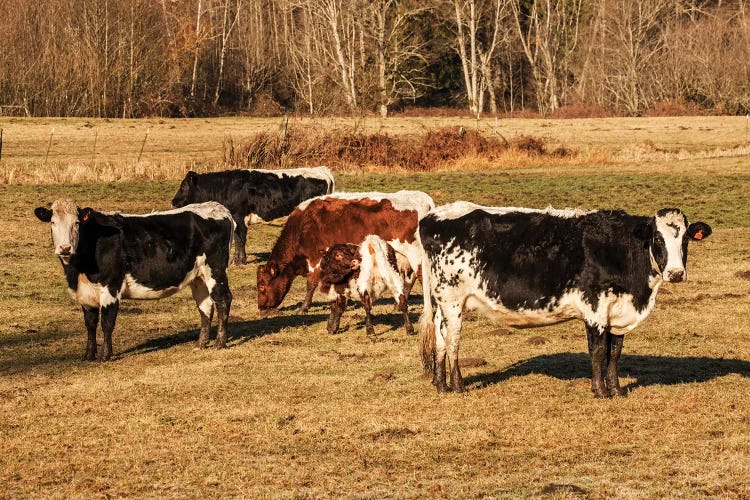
[44, 214]
[699, 231]
[192, 178]
[644, 230]
[85, 215]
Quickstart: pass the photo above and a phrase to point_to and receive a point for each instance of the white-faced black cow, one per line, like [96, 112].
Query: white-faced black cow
[530, 268]
[110, 256]
[254, 195]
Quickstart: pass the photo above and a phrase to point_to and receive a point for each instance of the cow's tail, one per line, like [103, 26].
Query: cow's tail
[426, 324]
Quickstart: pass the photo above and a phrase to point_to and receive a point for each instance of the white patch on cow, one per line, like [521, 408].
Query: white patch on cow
[206, 210]
[322, 173]
[672, 228]
[375, 272]
[401, 200]
[64, 228]
[460, 208]
[87, 293]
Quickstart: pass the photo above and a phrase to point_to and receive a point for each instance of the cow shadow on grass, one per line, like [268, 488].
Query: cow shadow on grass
[646, 370]
[239, 333]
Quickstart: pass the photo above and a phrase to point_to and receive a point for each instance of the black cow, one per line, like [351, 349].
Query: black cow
[530, 268]
[254, 195]
[108, 257]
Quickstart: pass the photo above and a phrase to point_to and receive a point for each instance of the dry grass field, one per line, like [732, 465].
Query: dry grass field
[290, 411]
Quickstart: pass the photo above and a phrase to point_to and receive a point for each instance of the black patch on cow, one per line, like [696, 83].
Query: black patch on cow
[528, 260]
[249, 191]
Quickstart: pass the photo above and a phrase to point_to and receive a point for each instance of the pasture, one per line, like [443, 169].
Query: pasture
[290, 411]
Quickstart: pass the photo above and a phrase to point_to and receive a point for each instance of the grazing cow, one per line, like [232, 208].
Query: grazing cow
[366, 270]
[531, 268]
[254, 195]
[110, 256]
[317, 224]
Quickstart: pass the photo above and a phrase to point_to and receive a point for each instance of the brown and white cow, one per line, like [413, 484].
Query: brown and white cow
[319, 223]
[365, 271]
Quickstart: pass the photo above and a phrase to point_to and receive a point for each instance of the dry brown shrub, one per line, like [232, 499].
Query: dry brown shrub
[581, 111]
[428, 151]
[675, 108]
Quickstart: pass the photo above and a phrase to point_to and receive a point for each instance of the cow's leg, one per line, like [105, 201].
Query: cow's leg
[438, 379]
[240, 238]
[453, 321]
[614, 349]
[91, 319]
[222, 298]
[598, 351]
[337, 309]
[205, 305]
[109, 317]
[408, 285]
[367, 305]
[312, 283]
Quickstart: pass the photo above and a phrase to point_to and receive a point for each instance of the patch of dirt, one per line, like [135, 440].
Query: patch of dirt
[383, 377]
[501, 331]
[392, 433]
[471, 362]
[537, 340]
[745, 275]
[554, 488]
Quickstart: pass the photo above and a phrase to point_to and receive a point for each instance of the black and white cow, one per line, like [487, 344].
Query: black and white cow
[110, 256]
[254, 196]
[529, 268]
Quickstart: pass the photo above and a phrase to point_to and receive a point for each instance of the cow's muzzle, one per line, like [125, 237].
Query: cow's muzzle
[675, 275]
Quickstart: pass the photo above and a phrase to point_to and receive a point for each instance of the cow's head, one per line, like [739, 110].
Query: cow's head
[339, 262]
[669, 233]
[273, 285]
[65, 219]
[186, 194]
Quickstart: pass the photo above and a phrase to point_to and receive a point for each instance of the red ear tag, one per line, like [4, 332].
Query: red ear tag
[698, 235]
[86, 216]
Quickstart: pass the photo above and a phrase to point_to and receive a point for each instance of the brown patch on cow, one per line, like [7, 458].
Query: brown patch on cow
[745, 275]
[537, 340]
[501, 331]
[325, 222]
[471, 362]
[383, 377]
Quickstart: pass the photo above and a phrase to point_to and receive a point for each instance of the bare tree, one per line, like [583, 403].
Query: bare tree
[398, 53]
[478, 33]
[549, 33]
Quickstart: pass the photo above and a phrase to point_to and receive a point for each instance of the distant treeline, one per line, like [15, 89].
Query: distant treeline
[133, 58]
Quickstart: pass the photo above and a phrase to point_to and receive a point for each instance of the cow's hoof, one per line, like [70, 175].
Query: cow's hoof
[601, 395]
[200, 345]
[220, 344]
[616, 392]
[107, 357]
[89, 357]
[442, 388]
[303, 309]
[410, 330]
